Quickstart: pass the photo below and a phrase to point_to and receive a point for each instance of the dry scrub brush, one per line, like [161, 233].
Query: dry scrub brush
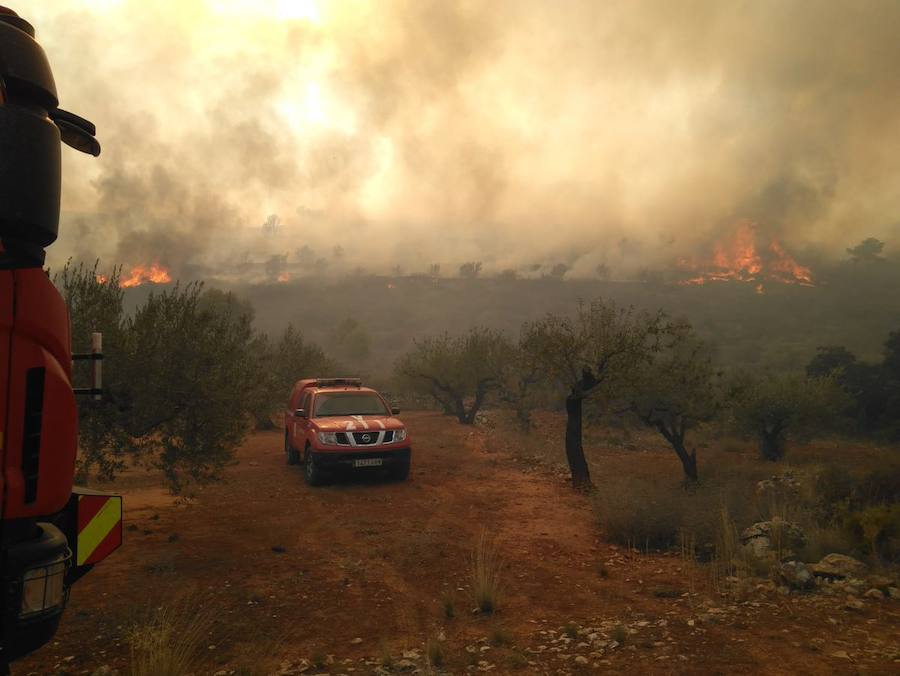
[486, 569]
[640, 501]
[166, 643]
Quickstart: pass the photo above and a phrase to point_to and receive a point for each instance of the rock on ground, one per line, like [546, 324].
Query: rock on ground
[839, 566]
[760, 538]
[795, 575]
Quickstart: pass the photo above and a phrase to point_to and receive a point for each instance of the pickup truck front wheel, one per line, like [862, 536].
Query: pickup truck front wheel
[399, 471]
[293, 457]
[312, 472]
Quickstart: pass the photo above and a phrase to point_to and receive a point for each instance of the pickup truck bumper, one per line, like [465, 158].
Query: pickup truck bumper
[338, 459]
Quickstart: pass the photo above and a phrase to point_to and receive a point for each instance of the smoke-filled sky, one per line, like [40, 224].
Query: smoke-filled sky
[513, 132]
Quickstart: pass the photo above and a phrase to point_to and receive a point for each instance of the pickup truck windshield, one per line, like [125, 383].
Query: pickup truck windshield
[350, 403]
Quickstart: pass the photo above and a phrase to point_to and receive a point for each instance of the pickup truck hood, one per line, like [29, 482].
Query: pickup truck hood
[357, 423]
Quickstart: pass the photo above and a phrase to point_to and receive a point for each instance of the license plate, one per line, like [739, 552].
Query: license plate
[368, 462]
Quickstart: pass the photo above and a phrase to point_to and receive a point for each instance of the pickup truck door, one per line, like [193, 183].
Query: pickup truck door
[299, 426]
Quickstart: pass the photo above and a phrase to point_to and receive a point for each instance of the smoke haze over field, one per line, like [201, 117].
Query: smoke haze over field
[509, 132]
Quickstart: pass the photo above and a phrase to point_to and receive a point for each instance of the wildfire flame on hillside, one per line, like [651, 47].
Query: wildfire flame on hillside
[284, 277]
[142, 274]
[738, 258]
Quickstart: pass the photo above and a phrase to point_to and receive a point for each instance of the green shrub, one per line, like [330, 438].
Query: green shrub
[857, 514]
[877, 528]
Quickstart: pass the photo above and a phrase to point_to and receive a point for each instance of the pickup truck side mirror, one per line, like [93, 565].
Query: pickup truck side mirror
[299, 413]
[395, 410]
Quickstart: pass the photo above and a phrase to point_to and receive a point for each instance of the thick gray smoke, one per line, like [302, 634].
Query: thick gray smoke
[389, 134]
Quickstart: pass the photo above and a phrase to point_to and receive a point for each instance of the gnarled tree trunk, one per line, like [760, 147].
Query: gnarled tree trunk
[581, 475]
[688, 460]
[263, 422]
[771, 445]
[523, 418]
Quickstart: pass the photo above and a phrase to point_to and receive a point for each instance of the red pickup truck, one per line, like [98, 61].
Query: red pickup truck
[334, 423]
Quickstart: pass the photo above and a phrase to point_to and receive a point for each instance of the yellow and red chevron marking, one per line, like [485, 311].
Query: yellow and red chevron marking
[99, 528]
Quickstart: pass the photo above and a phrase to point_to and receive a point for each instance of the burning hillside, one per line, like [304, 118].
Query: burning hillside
[141, 274]
[742, 258]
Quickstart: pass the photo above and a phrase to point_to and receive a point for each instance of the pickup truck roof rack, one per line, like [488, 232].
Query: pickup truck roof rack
[338, 382]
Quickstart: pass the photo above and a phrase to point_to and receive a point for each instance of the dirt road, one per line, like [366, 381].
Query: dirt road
[349, 573]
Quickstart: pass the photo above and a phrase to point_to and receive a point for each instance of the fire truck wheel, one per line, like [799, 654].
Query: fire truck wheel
[293, 457]
[311, 470]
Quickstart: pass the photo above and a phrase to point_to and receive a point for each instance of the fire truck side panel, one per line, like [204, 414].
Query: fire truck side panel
[40, 439]
[6, 325]
[42, 316]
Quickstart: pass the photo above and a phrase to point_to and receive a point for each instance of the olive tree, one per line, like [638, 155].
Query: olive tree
[774, 406]
[458, 371]
[190, 367]
[676, 392]
[525, 385]
[280, 364]
[600, 347]
[520, 387]
[95, 304]
[176, 377]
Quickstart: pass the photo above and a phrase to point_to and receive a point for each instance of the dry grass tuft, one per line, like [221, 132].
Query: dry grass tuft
[653, 511]
[385, 656]
[499, 638]
[448, 606]
[517, 661]
[485, 574]
[728, 546]
[823, 540]
[167, 643]
[434, 650]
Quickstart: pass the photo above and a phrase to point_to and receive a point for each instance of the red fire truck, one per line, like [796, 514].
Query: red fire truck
[51, 533]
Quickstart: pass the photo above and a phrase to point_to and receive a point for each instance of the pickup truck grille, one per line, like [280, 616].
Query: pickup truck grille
[365, 438]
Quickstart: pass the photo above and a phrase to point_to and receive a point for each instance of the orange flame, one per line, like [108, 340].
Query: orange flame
[737, 258]
[141, 274]
[101, 279]
[284, 277]
[786, 269]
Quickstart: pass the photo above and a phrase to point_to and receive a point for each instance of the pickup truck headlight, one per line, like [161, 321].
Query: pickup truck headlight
[400, 435]
[328, 438]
